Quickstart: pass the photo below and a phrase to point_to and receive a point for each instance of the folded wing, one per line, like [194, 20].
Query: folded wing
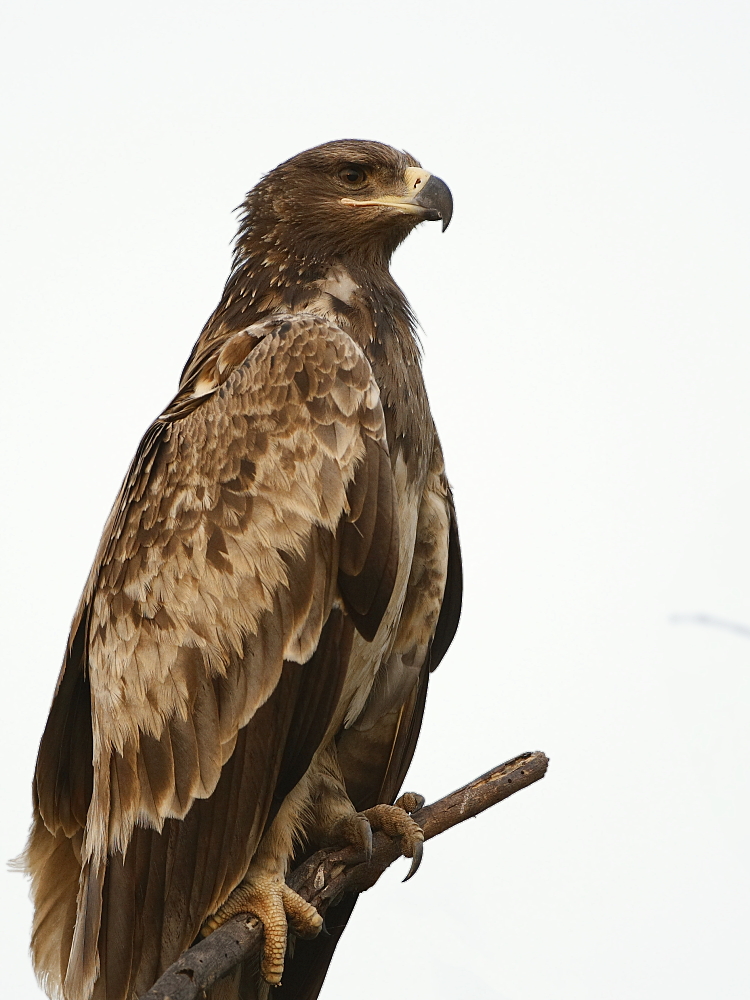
[255, 530]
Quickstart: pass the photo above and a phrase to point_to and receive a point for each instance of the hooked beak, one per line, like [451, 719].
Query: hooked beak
[427, 196]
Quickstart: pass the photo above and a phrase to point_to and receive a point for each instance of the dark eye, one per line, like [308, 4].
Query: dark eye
[352, 174]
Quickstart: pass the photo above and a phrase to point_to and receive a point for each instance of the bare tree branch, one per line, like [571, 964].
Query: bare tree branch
[327, 875]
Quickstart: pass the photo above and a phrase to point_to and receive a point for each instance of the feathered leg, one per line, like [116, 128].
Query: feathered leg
[337, 822]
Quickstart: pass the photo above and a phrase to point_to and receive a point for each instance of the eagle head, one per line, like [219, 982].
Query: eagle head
[349, 198]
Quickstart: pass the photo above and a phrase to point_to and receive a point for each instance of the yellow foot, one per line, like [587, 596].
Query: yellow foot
[355, 829]
[395, 821]
[267, 896]
[410, 801]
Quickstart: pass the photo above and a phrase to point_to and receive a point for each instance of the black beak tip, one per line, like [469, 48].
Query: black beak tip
[436, 197]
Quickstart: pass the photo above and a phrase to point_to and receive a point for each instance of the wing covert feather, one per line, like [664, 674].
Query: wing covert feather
[196, 585]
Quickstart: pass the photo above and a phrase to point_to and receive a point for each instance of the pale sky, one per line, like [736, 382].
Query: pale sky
[586, 322]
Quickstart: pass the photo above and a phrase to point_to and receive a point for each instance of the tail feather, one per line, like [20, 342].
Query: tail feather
[83, 967]
[53, 861]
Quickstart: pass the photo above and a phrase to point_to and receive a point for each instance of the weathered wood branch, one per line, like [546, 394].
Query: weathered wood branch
[327, 875]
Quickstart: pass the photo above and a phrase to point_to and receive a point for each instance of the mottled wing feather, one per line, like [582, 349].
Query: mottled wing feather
[199, 583]
[214, 581]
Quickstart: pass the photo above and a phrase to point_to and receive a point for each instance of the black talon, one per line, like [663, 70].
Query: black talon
[416, 860]
[366, 837]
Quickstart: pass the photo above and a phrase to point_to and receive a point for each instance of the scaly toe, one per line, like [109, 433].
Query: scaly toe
[303, 918]
[355, 831]
[410, 801]
[396, 822]
[267, 896]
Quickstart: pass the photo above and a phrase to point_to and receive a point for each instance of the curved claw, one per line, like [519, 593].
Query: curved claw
[416, 860]
[394, 821]
[366, 835]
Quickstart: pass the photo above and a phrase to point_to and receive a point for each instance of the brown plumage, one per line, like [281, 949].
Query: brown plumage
[280, 571]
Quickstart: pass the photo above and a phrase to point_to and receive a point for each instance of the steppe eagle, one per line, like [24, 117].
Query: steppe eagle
[246, 671]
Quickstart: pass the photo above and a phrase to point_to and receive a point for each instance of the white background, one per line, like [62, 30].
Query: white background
[588, 361]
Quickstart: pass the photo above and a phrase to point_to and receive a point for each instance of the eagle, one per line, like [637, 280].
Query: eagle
[246, 672]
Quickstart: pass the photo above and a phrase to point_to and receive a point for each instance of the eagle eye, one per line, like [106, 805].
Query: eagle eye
[352, 175]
